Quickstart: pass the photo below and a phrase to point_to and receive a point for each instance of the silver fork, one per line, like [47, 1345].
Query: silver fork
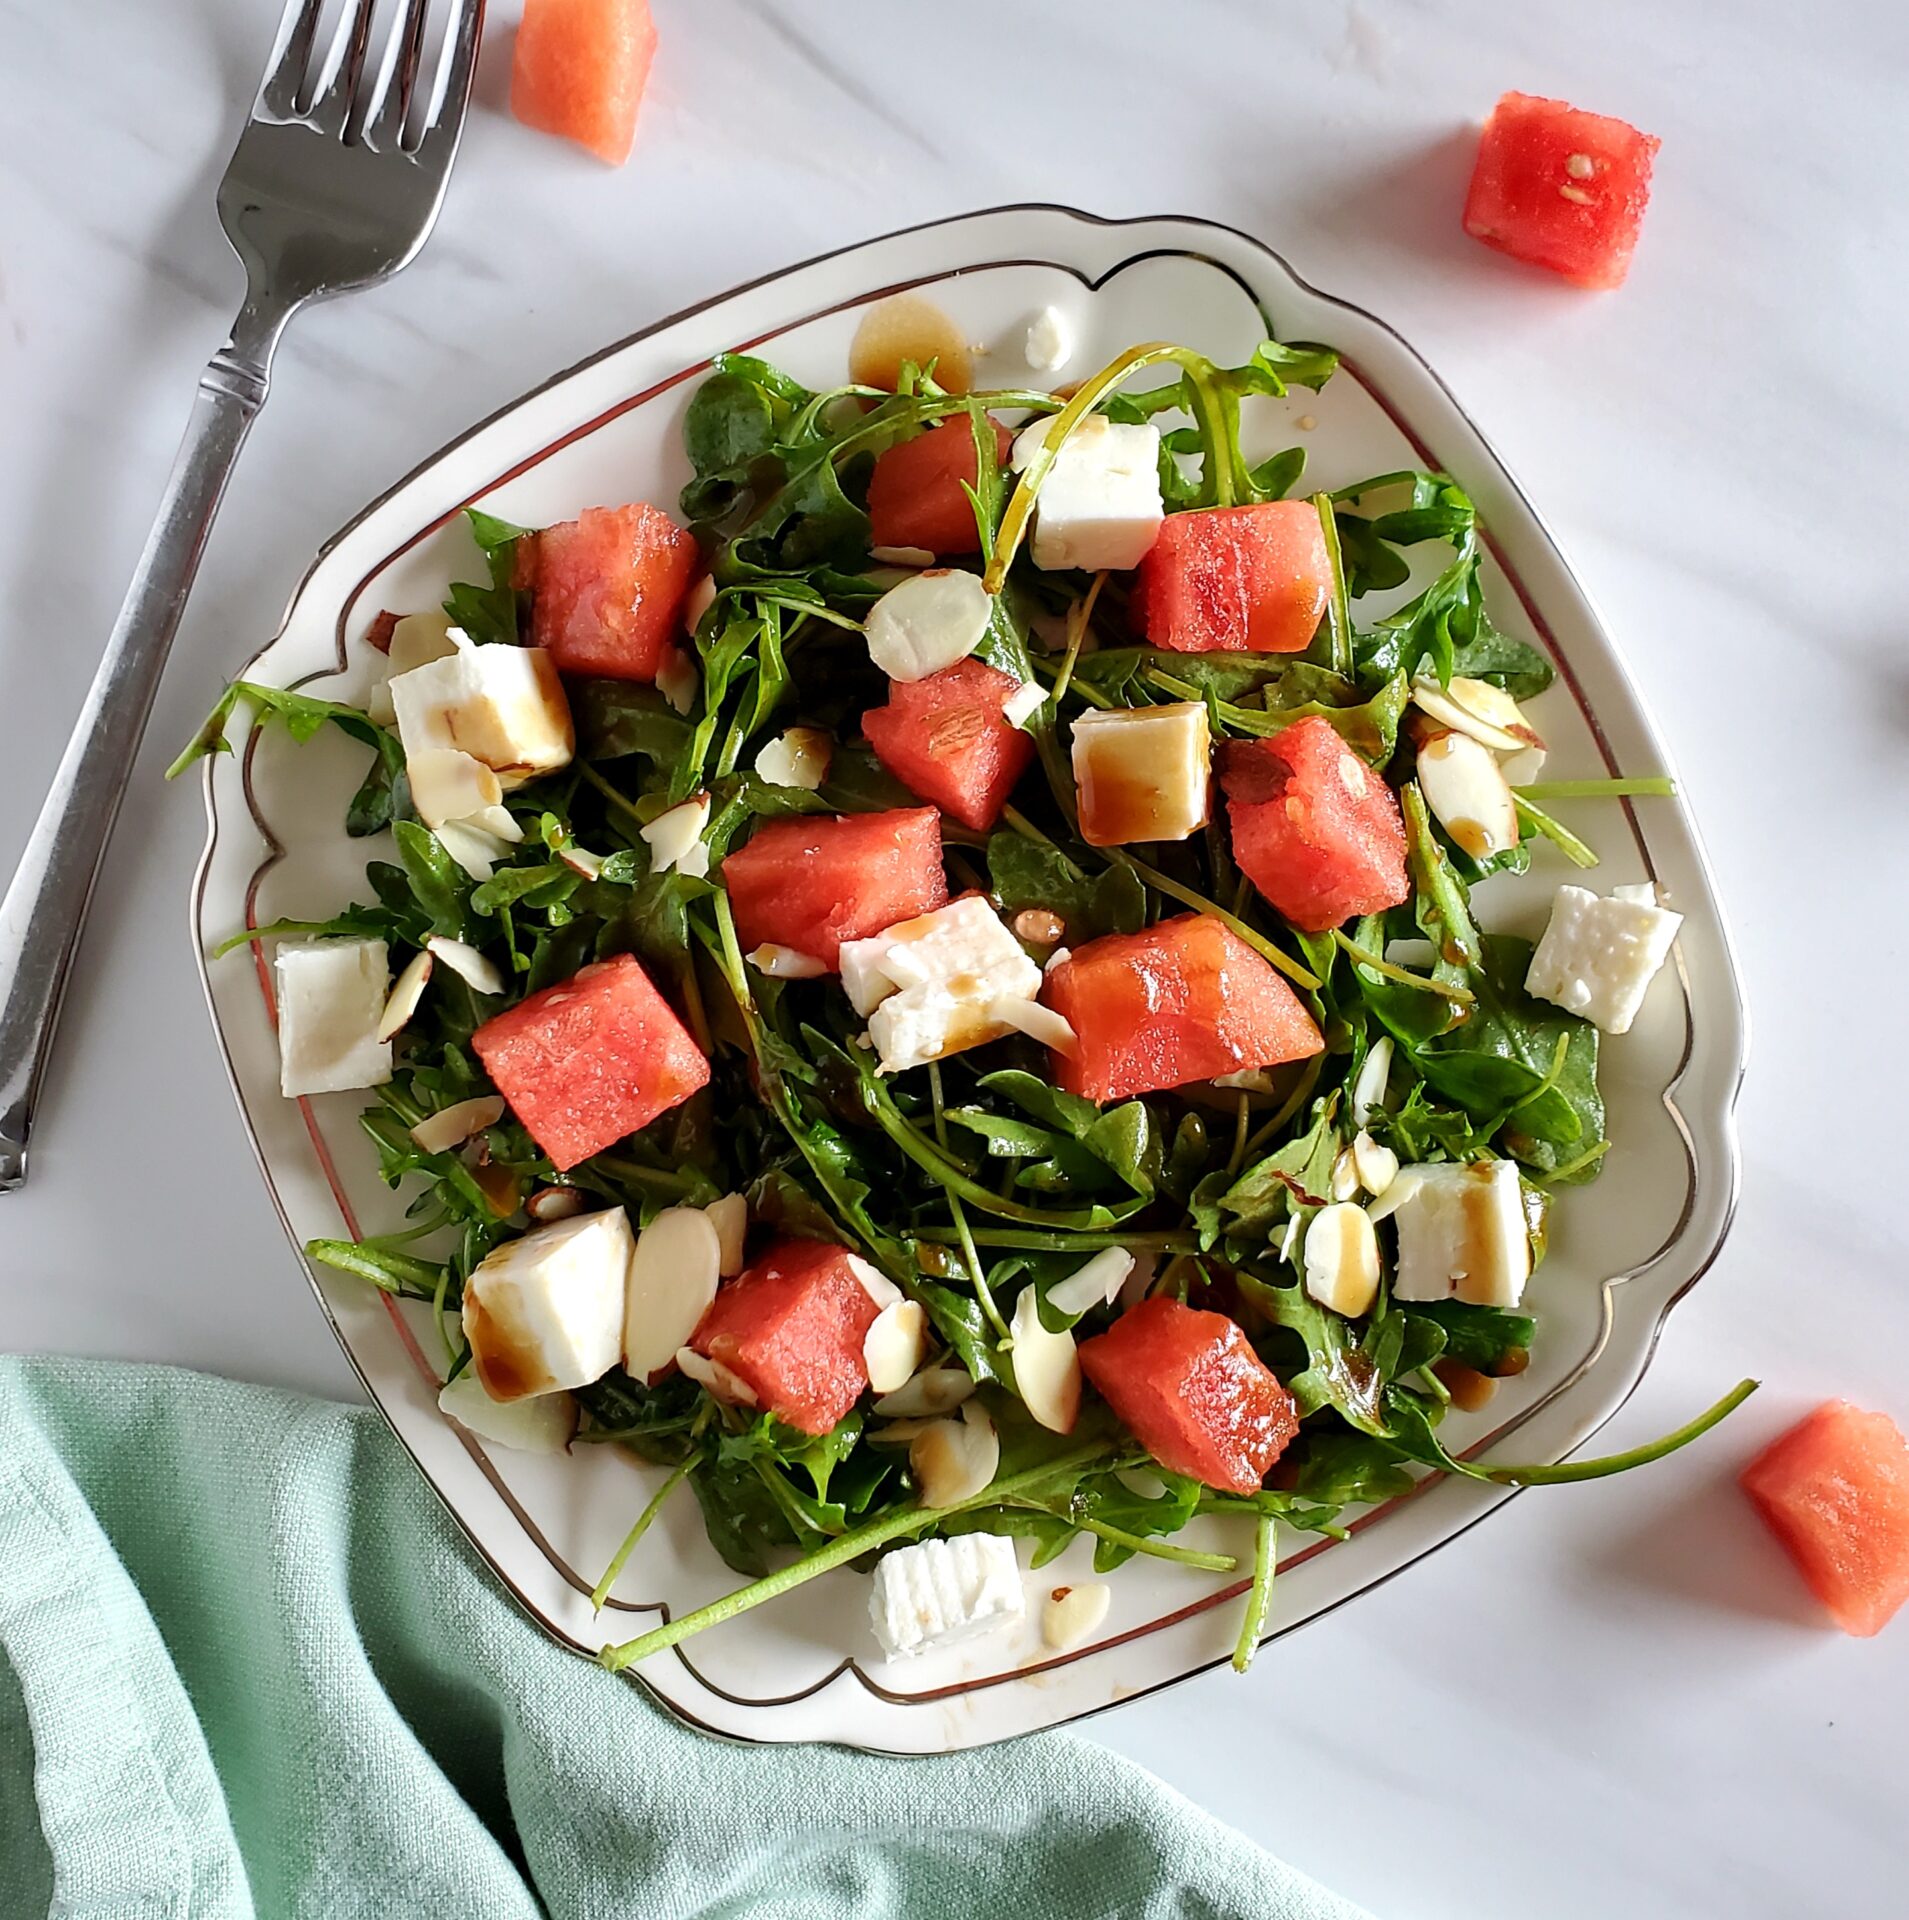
[335, 183]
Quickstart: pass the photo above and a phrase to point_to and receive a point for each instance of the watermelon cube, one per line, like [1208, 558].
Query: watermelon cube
[1193, 1392]
[1835, 1491]
[591, 1059]
[1185, 999]
[946, 739]
[1314, 828]
[1561, 188]
[579, 69]
[608, 590]
[1235, 580]
[810, 883]
[915, 496]
[791, 1327]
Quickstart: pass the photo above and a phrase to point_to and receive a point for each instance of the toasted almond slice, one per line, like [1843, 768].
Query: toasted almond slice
[405, 995]
[1023, 703]
[938, 1390]
[1467, 794]
[449, 785]
[1399, 1189]
[467, 963]
[1342, 1259]
[728, 1387]
[673, 1278]
[730, 1217]
[475, 850]
[1377, 1166]
[1368, 1091]
[539, 1423]
[1046, 1366]
[451, 1126]
[784, 963]
[798, 757]
[1092, 1285]
[930, 621]
[581, 861]
[902, 556]
[555, 1203]
[1486, 713]
[891, 1349]
[1036, 1021]
[698, 601]
[899, 1433]
[875, 1283]
[1071, 1614]
[675, 838]
[954, 1460]
[677, 679]
[1345, 1177]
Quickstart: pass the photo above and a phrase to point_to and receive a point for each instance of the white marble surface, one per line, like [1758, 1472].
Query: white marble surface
[1611, 1698]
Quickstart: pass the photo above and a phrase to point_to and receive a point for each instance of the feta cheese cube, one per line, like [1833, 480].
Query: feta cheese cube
[331, 999]
[546, 1310]
[938, 1593]
[1462, 1234]
[1099, 506]
[1598, 957]
[501, 704]
[1144, 773]
[928, 986]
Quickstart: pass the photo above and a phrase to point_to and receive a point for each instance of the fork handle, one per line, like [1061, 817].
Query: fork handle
[46, 902]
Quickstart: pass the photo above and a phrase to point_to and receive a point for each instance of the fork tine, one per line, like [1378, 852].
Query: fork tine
[441, 135]
[384, 124]
[330, 110]
[278, 92]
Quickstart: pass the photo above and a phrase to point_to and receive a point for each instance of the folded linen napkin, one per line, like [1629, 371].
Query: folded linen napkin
[252, 1668]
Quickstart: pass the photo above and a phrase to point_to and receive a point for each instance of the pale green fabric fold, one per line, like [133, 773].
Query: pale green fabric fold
[251, 1668]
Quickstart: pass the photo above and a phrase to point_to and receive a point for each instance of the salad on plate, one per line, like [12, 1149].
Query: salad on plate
[933, 992]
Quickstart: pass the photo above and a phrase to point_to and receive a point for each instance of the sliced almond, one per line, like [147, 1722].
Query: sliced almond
[1072, 1614]
[1059, 957]
[1368, 1091]
[729, 1387]
[1046, 1366]
[675, 838]
[673, 1278]
[474, 849]
[581, 861]
[540, 1423]
[1345, 1177]
[698, 601]
[730, 1217]
[892, 1347]
[784, 963]
[467, 963]
[954, 1460]
[1342, 1259]
[938, 1390]
[797, 758]
[1399, 1189]
[1249, 1080]
[1376, 1166]
[902, 556]
[1467, 794]
[1486, 713]
[677, 679]
[875, 1283]
[555, 1203]
[407, 991]
[1023, 703]
[1036, 1021]
[930, 621]
[451, 1126]
[449, 785]
[1092, 1285]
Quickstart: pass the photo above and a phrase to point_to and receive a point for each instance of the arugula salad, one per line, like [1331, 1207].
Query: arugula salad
[934, 992]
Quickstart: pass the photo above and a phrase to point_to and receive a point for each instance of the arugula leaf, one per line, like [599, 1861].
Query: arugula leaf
[496, 611]
[1023, 874]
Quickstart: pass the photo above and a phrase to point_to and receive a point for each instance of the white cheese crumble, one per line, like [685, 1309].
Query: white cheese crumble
[938, 1593]
[1598, 957]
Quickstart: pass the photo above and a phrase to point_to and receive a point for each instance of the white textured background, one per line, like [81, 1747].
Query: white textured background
[1612, 1698]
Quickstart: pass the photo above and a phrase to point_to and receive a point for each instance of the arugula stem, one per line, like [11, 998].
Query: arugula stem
[959, 1214]
[437, 1317]
[1569, 1470]
[1008, 1237]
[389, 1272]
[1403, 975]
[610, 793]
[1149, 1544]
[1079, 616]
[1201, 904]
[638, 1175]
[1536, 820]
[1237, 1158]
[1259, 1595]
[1302, 1092]
[1338, 615]
[837, 1553]
[1589, 1158]
[601, 1591]
[1654, 786]
[1021, 824]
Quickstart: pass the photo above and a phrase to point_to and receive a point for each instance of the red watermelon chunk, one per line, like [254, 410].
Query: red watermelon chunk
[946, 739]
[915, 496]
[608, 590]
[792, 1327]
[1314, 828]
[1193, 1392]
[579, 69]
[1561, 188]
[812, 882]
[1235, 580]
[591, 1059]
[1185, 999]
[1835, 1491]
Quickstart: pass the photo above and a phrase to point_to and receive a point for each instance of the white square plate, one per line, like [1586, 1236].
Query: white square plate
[1622, 1251]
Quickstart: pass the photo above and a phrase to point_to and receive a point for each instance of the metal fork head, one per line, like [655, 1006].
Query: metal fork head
[340, 171]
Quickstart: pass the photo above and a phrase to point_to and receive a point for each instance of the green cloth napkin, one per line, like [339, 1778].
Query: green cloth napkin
[252, 1668]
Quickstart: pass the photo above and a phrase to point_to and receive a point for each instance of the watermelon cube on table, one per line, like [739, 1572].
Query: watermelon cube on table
[591, 1059]
[1314, 828]
[579, 69]
[607, 590]
[946, 738]
[1835, 1491]
[915, 494]
[1192, 1391]
[1560, 188]
[1235, 580]
[812, 882]
[1185, 999]
[791, 1328]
